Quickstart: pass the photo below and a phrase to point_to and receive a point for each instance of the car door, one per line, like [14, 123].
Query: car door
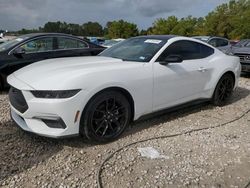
[70, 47]
[177, 83]
[30, 52]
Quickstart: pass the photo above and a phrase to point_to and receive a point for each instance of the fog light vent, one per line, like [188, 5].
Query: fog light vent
[52, 122]
[58, 123]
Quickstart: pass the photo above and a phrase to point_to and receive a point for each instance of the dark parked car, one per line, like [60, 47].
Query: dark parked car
[222, 44]
[31, 48]
[242, 50]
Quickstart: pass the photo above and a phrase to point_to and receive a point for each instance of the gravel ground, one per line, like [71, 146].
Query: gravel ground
[215, 157]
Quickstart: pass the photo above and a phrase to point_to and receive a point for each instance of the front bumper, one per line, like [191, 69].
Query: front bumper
[21, 123]
[37, 118]
[53, 118]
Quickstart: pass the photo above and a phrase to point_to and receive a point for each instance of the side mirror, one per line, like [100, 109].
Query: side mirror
[19, 51]
[172, 59]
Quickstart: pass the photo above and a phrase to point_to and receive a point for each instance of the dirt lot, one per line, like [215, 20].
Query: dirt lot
[214, 157]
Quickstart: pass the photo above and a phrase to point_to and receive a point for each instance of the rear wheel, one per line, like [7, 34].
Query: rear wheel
[106, 117]
[224, 90]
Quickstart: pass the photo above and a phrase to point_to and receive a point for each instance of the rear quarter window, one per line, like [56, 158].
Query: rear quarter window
[206, 51]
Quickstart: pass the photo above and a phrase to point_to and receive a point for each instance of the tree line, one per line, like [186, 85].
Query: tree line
[230, 20]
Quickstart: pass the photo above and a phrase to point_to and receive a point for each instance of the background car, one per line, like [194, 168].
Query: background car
[101, 95]
[233, 42]
[111, 42]
[31, 48]
[2, 40]
[242, 50]
[96, 40]
[222, 44]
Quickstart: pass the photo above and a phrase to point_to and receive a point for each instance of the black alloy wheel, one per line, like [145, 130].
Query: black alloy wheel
[224, 90]
[106, 116]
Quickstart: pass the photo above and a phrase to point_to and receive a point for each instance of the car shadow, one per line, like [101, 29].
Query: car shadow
[239, 94]
[5, 91]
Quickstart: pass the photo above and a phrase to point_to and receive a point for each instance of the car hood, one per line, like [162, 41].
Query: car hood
[241, 50]
[54, 74]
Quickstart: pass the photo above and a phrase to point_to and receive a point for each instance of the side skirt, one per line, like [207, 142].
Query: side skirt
[194, 103]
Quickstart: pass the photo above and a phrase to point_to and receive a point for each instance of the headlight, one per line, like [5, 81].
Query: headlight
[59, 94]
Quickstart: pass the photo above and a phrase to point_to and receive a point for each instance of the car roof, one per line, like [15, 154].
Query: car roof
[157, 37]
[210, 37]
[201, 36]
[31, 35]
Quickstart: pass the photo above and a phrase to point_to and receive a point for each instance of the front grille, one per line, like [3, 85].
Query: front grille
[245, 67]
[244, 58]
[17, 100]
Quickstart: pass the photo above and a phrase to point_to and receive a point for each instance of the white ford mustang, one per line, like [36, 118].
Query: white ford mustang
[99, 96]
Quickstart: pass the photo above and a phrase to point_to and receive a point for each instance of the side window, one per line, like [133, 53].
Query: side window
[38, 45]
[213, 42]
[68, 43]
[222, 42]
[187, 50]
[82, 44]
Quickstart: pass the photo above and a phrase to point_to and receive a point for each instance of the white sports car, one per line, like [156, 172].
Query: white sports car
[99, 96]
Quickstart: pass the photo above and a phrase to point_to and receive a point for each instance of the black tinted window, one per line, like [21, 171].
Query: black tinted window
[187, 50]
[222, 42]
[218, 42]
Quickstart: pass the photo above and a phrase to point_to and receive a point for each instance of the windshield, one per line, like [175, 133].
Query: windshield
[110, 42]
[135, 49]
[243, 43]
[247, 44]
[10, 44]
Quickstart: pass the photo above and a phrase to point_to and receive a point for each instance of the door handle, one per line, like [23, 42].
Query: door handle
[202, 69]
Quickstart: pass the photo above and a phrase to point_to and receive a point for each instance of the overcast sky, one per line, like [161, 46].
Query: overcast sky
[17, 14]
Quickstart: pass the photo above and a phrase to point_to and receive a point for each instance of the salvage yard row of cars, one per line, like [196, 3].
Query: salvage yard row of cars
[98, 96]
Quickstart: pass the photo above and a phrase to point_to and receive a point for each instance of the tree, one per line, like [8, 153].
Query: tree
[240, 21]
[231, 20]
[27, 31]
[121, 29]
[92, 29]
[143, 32]
[185, 26]
[199, 28]
[52, 27]
[164, 26]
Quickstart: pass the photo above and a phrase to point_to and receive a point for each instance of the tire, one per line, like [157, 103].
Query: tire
[223, 90]
[105, 117]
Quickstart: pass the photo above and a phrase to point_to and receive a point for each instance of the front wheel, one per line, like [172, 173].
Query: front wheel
[223, 90]
[106, 117]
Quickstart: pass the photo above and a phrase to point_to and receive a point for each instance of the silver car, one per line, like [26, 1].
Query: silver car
[242, 50]
[222, 44]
